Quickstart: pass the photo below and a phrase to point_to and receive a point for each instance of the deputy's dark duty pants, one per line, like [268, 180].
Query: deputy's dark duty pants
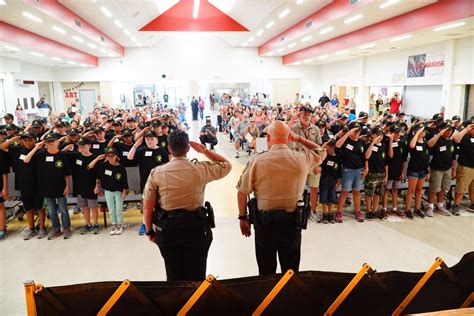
[209, 140]
[282, 238]
[184, 244]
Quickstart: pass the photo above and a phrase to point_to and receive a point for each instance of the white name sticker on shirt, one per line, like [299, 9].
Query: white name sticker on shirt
[376, 149]
[49, 158]
[442, 148]
[330, 163]
[78, 162]
[472, 140]
[349, 146]
[96, 146]
[116, 140]
[108, 172]
[395, 144]
[125, 153]
[148, 153]
[22, 157]
[419, 148]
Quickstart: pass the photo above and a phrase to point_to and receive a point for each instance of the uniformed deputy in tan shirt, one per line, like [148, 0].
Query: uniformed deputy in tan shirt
[278, 177]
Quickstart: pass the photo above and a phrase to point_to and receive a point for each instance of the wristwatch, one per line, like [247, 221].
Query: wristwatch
[243, 217]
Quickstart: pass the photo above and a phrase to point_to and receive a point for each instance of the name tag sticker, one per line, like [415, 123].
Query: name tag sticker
[22, 157]
[49, 158]
[376, 149]
[472, 140]
[349, 146]
[395, 144]
[78, 162]
[96, 146]
[442, 148]
[148, 153]
[125, 153]
[108, 172]
[116, 140]
[330, 163]
[419, 148]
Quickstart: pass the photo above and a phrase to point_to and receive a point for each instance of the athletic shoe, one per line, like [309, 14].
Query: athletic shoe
[3, 235]
[86, 229]
[471, 208]
[42, 233]
[319, 216]
[237, 154]
[331, 218]
[369, 216]
[359, 216]
[119, 230]
[429, 211]
[67, 233]
[53, 233]
[385, 213]
[96, 229]
[399, 213]
[455, 210]
[409, 214]
[338, 217]
[380, 214]
[442, 210]
[325, 218]
[420, 213]
[29, 233]
[142, 230]
[113, 230]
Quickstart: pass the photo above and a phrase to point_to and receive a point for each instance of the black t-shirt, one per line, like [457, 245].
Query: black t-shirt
[163, 142]
[25, 174]
[99, 147]
[323, 100]
[443, 153]
[466, 151]
[400, 155]
[112, 178]
[123, 150]
[331, 167]
[83, 178]
[66, 143]
[419, 158]
[378, 158]
[148, 159]
[51, 170]
[109, 135]
[3, 167]
[352, 154]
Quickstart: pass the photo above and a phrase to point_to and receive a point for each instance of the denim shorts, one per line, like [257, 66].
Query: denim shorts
[351, 179]
[327, 191]
[417, 174]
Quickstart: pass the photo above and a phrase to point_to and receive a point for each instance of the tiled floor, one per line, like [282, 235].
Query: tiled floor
[408, 245]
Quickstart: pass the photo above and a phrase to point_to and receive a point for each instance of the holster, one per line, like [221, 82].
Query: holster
[253, 212]
[302, 212]
[209, 214]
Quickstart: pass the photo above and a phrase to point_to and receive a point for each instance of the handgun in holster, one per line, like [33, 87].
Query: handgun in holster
[210, 214]
[254, 214]
[303, 211]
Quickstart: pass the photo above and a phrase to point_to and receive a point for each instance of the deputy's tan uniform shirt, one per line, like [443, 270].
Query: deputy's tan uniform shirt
[278, 177]
[180, 183]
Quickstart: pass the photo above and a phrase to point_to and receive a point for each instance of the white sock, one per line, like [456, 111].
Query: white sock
[431, 205]
[394, 209]
[439, 205]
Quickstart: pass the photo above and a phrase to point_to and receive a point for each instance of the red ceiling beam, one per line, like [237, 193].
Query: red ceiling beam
[441, 12]
[16, 36]
[333, 11]
[60, 13]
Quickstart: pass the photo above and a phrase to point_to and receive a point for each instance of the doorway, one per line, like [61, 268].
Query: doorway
[86, 100]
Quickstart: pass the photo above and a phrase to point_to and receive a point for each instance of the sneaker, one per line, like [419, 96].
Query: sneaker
[3, 235]
[369, 216]
[380, 214]
[67, 233]
[442, 210]
[471, 208]
[331, 218]
[113, 230]
[86, 229]
[338, 217]
[325, 218]
[237, 154]
[420, 213]
[96, 229]
[318, 217]
[359, 216]
[42, 233]
[455, 210]
[142, 230]
[399, 213]
[119, 230]
[409, 214]
[53, 233]
[385, 213]
[29, 233]
[429, 211]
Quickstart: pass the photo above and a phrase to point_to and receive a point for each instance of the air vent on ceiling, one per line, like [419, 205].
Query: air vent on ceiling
[78, 23]
[309, 24]
[282, 39]
[136, 14]
[102, 38]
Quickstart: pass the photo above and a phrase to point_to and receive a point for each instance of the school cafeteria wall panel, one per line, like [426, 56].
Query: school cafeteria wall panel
[422, 101]
[470, 102]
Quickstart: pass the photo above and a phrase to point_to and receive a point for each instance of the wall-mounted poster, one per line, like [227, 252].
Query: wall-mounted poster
[416, 66]
[425, 65]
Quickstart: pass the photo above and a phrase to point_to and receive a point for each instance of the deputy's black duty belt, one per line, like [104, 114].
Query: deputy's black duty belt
[181, 214]
[278, 215]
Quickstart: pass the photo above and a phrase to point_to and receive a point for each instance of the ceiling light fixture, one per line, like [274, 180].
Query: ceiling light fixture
[37, 54]
[307, 38]
[138, 44]
[196, 9]
[32, 17]
[116, 22]
[91, 45]
[388, 3]
[283, 13]
[270, 54]
[251, 39]
[106, 12]
[341, 52]
[450, 26]
[270, 24]
[279, 50]
[297, 63]
[292, 45]
[259, 33]
[326, 30]
[58, 29]
[77, 38]
[56, 59]
[11, 48]
[309, 60]
[133, 38]
[299, 1]
[102, 50]
[401, 38]
[323, 57]
[127, 32]
[71, 62]
[367, 46]
[354, 18]
[82, 65]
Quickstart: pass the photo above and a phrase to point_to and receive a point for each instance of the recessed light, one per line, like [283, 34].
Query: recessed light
[326, 30]
[126, 32]
[196, 8]
[279, 50]
[71, 62]
[32, 17]
[292, 45]
[83, 65]
[354, 18]
[307, 38]
[251, 39]
[450, 26]
[91, 45]
[270, 54]
[56, 58]
[341, 52]
[259, 33]
[309, 60]
[11, 48]
[245, 44]
[116, 22]
[270, 24]
[323, 57]
[283, 13]
[106, 12]
[401, 38]
[367, 46]
[102, 50]
[58, 29]
[297, 63]
[388, 3]
[37, 54]
[138, 44]
[299, 1]
[77, 38]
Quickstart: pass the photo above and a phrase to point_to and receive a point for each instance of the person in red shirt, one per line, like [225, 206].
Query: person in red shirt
[395, 103]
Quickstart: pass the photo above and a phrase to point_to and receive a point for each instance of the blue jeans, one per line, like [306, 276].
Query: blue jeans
[327, 190]
[115, 206]
[417, 174]
[55, 205]
[351, 179]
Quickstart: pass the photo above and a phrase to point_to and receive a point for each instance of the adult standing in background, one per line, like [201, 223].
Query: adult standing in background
[20, 115]
[378, 103]
[323, 100]
[195, 108]
[201, 106]
[44, 109]
[335, 101]
[395, 103]
[372, 106]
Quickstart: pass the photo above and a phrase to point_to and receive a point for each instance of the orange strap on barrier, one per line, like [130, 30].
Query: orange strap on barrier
[273, 293]
[30, 298]
[197, 295]
[417, 287]
[114, 298]
[469, 300]
[355, 280]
